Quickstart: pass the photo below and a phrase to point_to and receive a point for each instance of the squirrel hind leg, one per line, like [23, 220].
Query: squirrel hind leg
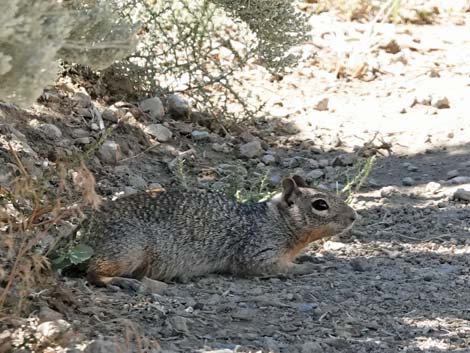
[124, 274]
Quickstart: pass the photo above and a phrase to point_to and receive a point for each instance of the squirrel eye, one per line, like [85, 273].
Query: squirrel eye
[320, 205]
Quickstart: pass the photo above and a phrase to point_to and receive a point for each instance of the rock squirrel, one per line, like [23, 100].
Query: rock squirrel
[178, 234]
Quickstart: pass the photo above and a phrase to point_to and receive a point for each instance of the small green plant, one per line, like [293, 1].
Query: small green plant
[72, 256]
[362, 172]
[259, 192]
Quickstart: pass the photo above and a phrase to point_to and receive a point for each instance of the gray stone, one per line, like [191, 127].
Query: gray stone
[159, 131]
[112, 114]
[460, 180]
[251, 149]
[452, 174]
[440, 102]
[314, 175]
[291, 163]
[461, 195]
[311, 164]
[76, 133]
[343, 160]
[110, 152]
[155, 186]
[432, 187]
[83, 141]
[177, 106]
[359, 264]
[408, 181]
[82, 99]
[323, 163]
[153, 107]
[388, 191]
[268, 159]
[321, 104]
[197, 135]
[137, 181]
[52, 329]
[412, 168]
[50, 131]
[274, 179]
[243, 314]
[151, 286]
[179, 324]
[47, 314]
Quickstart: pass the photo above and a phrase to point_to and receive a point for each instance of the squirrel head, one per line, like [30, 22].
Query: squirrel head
[312, 209]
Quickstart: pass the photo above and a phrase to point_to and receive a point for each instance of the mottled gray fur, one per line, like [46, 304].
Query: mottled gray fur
[180, 234]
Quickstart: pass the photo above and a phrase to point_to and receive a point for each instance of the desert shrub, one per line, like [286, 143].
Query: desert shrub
[201, 48]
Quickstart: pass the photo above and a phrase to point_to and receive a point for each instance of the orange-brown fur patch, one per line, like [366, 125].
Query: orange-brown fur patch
[155, 191]
[303, 241]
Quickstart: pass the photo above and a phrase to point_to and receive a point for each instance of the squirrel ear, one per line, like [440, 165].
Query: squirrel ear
[289, 191]
[299, 181]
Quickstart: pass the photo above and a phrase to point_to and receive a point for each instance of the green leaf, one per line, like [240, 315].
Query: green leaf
[80, 253]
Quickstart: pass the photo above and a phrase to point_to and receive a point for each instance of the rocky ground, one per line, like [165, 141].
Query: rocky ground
[397, 283]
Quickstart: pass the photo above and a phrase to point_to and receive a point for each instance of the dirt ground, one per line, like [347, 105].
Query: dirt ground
[397, 283]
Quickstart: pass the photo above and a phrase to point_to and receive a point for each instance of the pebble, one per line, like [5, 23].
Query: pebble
[82, 99]
[274, 179]
[323, 163]
[388, 191]
[151, 286]
[137, 181]
[52, 329]
[306, 307]
[321, 104]
[218, 147]
[243, 314]
[440, 102]
[50, 130]
[343, 160]
[291, 163]
[461, 195]
[47, 314]
[432, 187]
[460, 180]
[452, 174]
[412, 168]
[109, 152]
[179, 324]
[197, 135]
[83, 141]
[160, 132]
[311, 164]
[153, 107]
[177, 106]
[112, 114]
[251, 149]
[408, 181]
[268, 159]
[333, 245]
[359, 264]
[314, 175]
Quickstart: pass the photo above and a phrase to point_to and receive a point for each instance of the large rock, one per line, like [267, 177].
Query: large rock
[153, 107]
[110, 152]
